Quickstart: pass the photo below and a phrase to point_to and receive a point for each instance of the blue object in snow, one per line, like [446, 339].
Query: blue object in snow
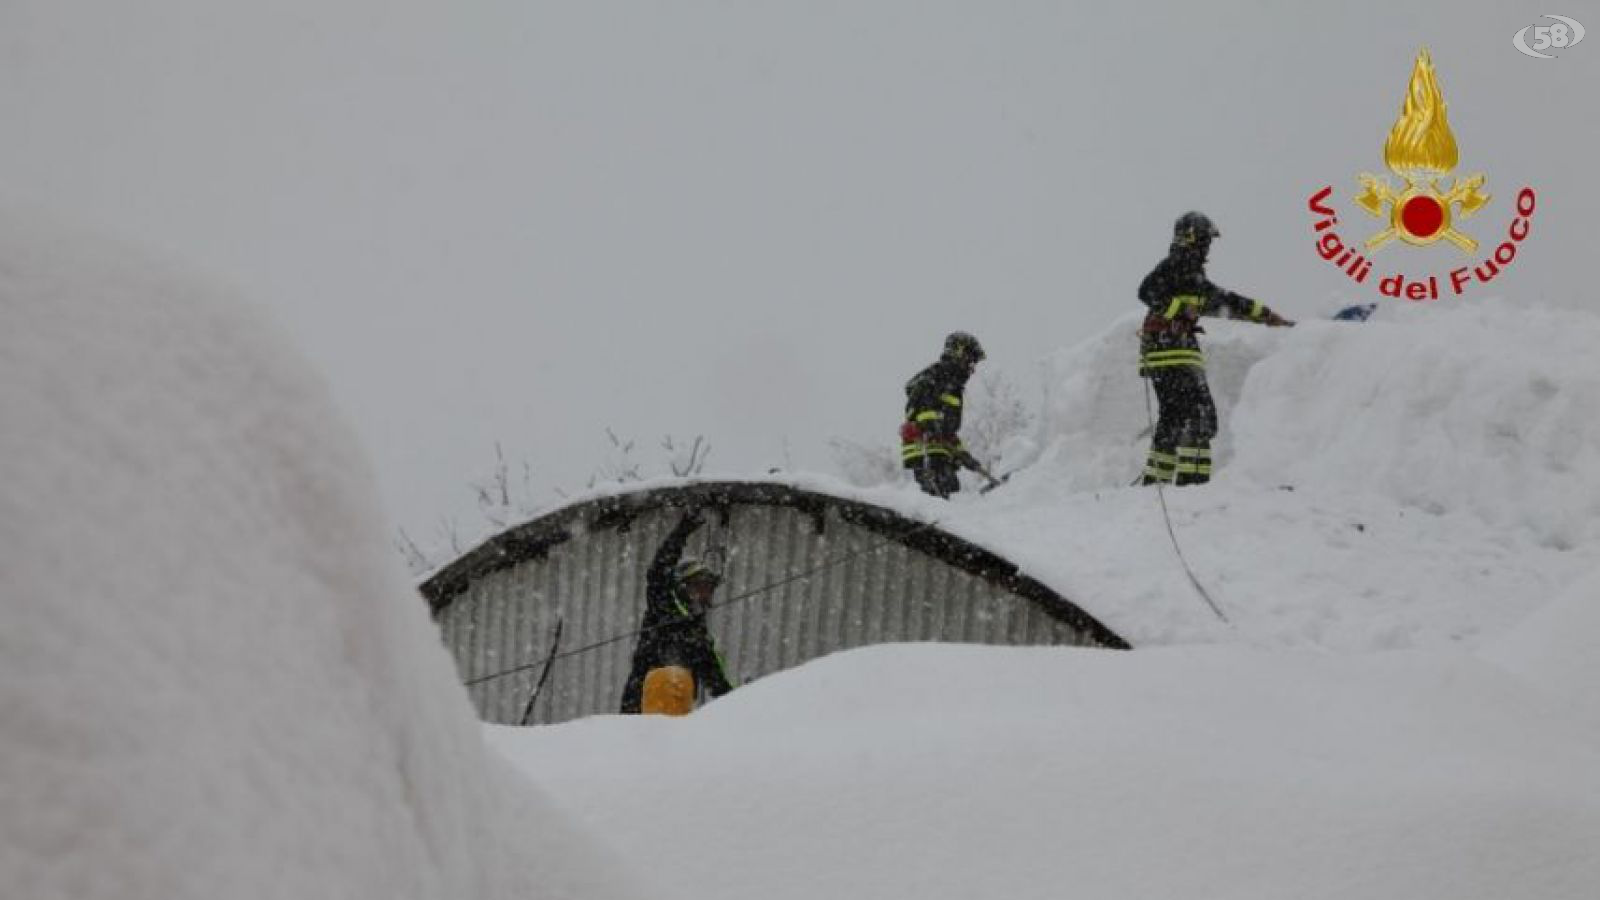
[1358, 313]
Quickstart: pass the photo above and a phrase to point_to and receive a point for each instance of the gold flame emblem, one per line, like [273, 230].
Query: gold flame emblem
[1422, 150]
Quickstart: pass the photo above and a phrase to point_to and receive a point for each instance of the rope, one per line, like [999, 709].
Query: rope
[1166, 517]
[754, 592]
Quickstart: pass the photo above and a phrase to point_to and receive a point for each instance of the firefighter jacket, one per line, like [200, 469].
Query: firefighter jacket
[1178, 294]
[933, 414]
[673, 632]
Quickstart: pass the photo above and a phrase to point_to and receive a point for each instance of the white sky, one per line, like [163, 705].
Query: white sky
[524, 223]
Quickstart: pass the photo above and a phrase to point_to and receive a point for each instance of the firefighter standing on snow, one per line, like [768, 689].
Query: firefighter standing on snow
[930, 441]
[675, 653]
[1178, 294]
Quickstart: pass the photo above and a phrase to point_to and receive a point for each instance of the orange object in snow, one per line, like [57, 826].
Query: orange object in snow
[668, 691]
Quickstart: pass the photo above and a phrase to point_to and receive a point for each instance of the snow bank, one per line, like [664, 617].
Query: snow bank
[1427, 478]
[1483, 408]
[214, 678]
[936, 771]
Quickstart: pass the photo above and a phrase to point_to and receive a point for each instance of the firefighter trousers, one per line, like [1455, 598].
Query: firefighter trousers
[1180, 448]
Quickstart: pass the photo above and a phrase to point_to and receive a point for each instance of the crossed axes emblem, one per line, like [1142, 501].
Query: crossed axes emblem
[1420, 214]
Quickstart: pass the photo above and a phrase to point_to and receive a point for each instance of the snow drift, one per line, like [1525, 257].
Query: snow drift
[215, 680]
[935, 772]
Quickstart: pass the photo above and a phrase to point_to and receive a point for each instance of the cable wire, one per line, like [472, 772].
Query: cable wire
[1166, 516]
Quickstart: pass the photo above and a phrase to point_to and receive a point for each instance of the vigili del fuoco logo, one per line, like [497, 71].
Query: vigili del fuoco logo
[1421, 210]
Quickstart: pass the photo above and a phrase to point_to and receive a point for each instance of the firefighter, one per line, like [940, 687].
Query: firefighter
[1178, 294]
[930, 440]
[675, 656]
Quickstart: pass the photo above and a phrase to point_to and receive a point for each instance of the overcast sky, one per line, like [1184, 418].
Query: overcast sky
[526, 222]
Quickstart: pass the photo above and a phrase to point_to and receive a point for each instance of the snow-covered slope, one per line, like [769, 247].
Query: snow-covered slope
[215, 680]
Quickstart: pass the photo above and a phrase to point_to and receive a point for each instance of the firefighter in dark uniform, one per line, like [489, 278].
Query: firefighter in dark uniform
[675, 655]
[1178, 294]
[930, 440]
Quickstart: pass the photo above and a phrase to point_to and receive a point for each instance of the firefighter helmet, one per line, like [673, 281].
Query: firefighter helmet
[692, 569]
[1193, 229]
[963, 346]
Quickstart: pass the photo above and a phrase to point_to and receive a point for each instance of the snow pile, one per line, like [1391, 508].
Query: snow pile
[214, 678]
[1429, 478]
[1483, 408]
[941, 772]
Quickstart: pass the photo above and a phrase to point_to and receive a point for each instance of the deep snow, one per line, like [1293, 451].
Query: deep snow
[215, 679]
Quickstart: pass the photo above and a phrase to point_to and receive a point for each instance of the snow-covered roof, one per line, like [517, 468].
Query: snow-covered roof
[614, 508]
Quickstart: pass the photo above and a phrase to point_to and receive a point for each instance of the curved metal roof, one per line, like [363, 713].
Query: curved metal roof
[534, 539]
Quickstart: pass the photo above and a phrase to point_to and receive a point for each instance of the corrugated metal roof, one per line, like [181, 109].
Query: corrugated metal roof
[805, 574]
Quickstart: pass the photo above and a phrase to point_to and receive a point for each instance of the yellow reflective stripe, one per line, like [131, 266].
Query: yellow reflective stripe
[1179, 301]
[1194, 460]
[1160, 466]
[1257, 308]
[1161, 359]
[931, 415]
[951, 399]
[916, 451]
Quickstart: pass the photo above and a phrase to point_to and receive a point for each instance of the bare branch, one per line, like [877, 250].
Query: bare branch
[416, 561]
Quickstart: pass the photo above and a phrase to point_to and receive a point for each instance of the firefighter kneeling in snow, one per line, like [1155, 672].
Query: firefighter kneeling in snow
[675, 655]
[1178, 294]
[930, 441]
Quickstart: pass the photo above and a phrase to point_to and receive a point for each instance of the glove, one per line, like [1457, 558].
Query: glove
[1273, 320]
